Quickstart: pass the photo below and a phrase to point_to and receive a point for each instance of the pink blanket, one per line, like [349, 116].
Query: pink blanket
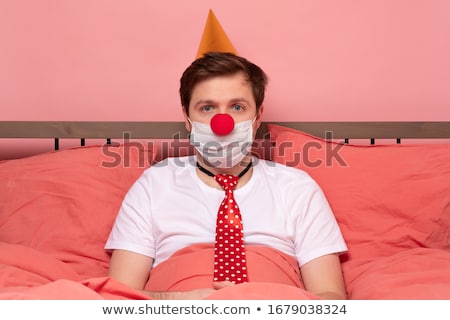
[30, 274]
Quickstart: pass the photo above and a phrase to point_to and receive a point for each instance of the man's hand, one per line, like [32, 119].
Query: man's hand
[197, 294]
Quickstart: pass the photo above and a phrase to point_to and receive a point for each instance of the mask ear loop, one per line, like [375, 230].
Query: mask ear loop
[191, 124]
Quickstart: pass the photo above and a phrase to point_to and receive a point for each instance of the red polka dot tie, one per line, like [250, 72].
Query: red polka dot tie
[229, 254]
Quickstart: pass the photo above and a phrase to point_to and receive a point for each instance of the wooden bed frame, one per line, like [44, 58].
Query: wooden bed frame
[172, 129]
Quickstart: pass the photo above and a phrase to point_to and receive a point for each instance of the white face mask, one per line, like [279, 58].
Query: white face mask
[222, 151]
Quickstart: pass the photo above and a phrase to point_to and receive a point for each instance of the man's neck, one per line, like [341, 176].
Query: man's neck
[235, 171]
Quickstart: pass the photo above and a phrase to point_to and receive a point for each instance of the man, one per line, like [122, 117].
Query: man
[174, 205]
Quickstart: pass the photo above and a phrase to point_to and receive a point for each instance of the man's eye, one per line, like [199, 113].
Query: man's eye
[237, 107]
[207, 108]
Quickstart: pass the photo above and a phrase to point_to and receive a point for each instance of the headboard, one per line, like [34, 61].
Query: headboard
[172, 129]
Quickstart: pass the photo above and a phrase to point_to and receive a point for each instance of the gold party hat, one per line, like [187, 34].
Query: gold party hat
[214, 38]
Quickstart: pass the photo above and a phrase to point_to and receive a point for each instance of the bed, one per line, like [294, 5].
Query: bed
[391, 200]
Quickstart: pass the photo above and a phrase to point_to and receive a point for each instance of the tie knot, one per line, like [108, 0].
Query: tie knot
[226, 181]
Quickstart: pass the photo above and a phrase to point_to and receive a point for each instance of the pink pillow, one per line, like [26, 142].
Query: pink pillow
[64, 203]
[386, 198]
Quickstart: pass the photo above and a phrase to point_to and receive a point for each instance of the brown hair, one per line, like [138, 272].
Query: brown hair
[216, 64]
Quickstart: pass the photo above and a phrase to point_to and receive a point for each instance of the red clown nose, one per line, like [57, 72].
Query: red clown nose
[222, 124]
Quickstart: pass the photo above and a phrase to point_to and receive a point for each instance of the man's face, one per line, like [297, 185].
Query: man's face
[226, 94]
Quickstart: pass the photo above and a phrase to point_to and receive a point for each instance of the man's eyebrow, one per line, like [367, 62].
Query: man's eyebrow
[209, 101]
[240, 100]
[204, 102]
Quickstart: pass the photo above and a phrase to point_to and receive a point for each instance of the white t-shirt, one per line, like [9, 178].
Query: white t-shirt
[169, 208]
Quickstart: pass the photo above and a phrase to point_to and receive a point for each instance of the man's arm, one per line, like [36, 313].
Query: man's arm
[133, 269]
[130, 268]
[323, 277]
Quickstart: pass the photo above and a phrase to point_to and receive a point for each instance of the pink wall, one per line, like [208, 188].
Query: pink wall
[327, 59]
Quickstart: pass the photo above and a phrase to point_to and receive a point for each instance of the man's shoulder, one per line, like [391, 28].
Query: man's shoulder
[170, 166]
[174, 163]
[278, 168]
[283, 173]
